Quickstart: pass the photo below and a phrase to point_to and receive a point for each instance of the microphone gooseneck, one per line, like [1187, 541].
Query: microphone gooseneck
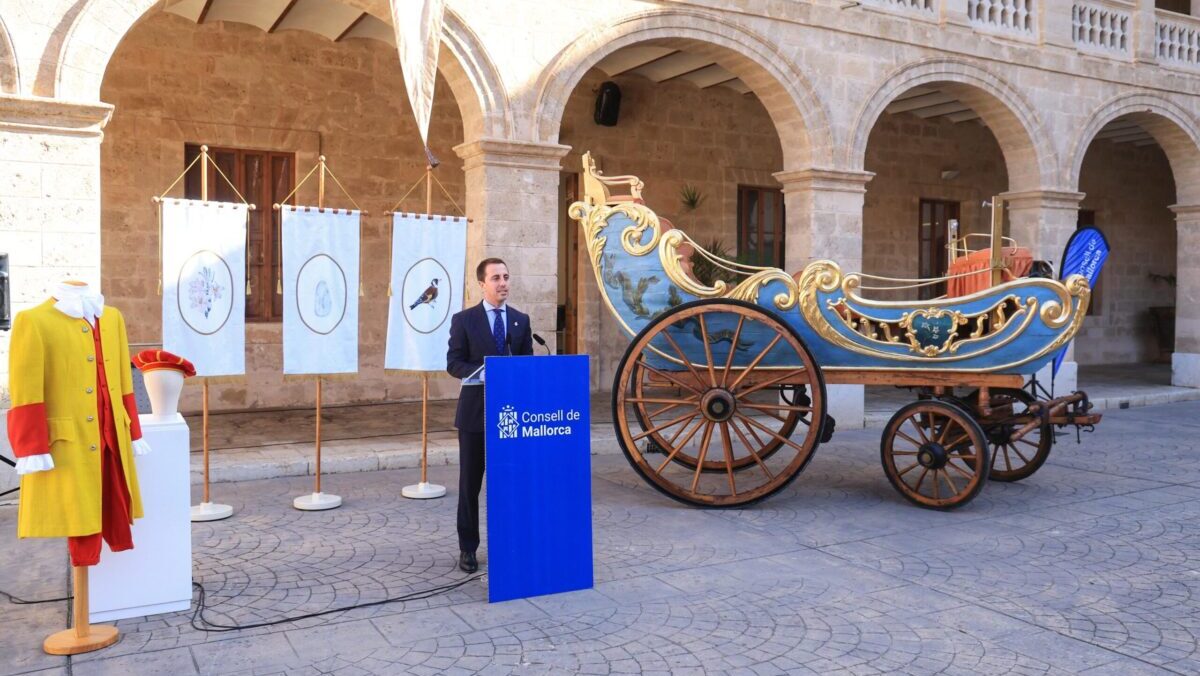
[541, 341]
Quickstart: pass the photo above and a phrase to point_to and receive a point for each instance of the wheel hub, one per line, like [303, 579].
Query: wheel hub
[999, 435]
[932, 456]
[718, 405]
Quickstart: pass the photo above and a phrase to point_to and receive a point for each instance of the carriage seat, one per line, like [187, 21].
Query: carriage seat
[1018, 261]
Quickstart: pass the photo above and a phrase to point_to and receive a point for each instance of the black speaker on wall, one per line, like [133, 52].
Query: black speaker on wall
[608, 104]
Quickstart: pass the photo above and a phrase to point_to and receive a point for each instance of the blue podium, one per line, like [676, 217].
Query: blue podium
[539, 478]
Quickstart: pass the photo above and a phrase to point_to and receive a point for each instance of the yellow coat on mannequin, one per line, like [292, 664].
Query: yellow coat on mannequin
[52, 379]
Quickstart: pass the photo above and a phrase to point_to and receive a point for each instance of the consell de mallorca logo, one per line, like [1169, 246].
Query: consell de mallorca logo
[514, 424]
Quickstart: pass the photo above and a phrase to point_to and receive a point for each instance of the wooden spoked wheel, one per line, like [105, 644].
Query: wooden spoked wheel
[935, 454]
[696, 403]
[1014, 460]
[645, 388]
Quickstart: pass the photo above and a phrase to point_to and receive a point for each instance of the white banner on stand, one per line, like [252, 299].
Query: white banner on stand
[204, 284]
[320, 290]
[428, 260]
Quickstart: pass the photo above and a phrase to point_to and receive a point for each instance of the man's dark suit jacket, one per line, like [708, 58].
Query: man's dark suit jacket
[470, 341]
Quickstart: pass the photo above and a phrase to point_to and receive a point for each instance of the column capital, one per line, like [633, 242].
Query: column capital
[813, 178]
[38, 115]
[1053, 199]
[515, 154]
[1186, 214]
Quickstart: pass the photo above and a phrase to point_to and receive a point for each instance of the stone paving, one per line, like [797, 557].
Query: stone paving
[1091, 566]
[268, 444]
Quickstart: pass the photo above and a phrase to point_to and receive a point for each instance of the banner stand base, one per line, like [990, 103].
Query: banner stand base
[423, 491]
[315, 502]
[211, 511]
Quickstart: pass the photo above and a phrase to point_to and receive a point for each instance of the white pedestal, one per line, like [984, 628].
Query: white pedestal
[315, 502]
[211, 511]
[847, 404]
[1185, 369]
[423, 491]
[156, 575]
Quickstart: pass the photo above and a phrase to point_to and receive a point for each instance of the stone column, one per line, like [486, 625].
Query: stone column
[954, 12]
[49, 199]
[1055, 24]
[1185, 362]
[1043, 221]
[1144, 39]
[512, 199]
[824, 221]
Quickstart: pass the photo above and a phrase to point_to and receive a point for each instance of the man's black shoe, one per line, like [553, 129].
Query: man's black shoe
[467, 562]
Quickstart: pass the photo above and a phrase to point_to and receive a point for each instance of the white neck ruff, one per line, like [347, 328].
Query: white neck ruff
[80, 302]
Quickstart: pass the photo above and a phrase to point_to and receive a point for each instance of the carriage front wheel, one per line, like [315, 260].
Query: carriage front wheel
[935, 454]
[696, 403]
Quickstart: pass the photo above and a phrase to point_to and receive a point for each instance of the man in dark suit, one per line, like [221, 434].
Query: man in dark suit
[490, 328]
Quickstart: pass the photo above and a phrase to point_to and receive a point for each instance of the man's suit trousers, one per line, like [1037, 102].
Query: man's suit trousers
[470, 481]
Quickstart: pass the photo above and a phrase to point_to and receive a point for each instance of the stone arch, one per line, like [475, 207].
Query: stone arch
[1011, 118]
[801, 120]
[1169, 123]
[10, 75]
[93, 33]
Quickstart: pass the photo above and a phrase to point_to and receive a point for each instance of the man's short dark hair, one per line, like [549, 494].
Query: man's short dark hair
[481, 269]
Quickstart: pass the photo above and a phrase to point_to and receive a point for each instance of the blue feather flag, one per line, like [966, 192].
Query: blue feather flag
[1085, 254]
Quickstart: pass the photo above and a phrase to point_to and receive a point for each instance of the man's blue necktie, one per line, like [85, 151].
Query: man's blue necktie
[498, 331]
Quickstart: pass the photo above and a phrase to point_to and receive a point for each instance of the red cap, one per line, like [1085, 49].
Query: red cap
[150, 360]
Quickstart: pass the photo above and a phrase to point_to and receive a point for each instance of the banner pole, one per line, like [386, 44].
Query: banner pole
[318, 501]
[320, 205]
[318, 472]
[424, 428]
[206, 510]
[425, 490]
[204, 406]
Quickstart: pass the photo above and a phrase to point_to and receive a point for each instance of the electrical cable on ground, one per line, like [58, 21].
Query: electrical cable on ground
[22, 602]
[207, 625]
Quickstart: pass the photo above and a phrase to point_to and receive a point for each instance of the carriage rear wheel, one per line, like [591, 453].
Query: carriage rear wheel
[646, 389]
[1014, 460]
[696, 403]
[935, 454]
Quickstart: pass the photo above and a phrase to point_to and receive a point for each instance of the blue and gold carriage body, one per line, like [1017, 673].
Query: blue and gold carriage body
[720, 398]
[641, 269]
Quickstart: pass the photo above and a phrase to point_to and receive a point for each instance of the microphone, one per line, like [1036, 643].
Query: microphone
[508, 343]
[541, 341]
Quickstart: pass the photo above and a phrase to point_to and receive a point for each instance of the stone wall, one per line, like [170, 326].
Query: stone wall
[174, 82]
[907, 155]
[1130, 188]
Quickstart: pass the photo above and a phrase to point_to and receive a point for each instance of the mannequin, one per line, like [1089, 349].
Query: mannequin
[74, 430]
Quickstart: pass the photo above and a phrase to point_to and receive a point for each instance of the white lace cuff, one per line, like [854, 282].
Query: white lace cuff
[141, 447]
[35, 463]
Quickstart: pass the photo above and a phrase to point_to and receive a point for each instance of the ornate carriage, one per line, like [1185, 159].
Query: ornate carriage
[720, 399]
